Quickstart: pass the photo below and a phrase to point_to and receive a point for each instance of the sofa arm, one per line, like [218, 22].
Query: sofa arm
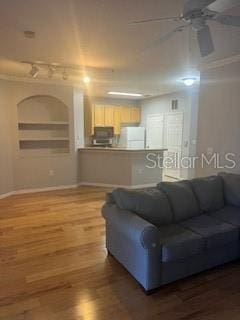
[133, 226]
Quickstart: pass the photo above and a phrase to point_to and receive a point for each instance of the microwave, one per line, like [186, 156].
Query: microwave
[103, 133]
[103, 136]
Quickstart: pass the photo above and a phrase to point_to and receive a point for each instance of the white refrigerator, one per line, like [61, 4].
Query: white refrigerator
[132, 138]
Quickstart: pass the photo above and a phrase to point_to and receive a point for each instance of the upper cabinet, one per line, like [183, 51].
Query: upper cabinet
[125, 115]
[109, 116]
[114, 116]
[130, 115]
[135, 116]
[117, 120]
[99, 116]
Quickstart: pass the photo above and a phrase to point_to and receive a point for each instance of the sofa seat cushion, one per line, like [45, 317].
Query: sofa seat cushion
[183, 201]
[150, 204]
[231, 183]
[179, 243]
[216, 233]
[228, 214]
[209, 192]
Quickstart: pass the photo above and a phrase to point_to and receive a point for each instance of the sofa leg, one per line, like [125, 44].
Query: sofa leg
[149, 292]
[109, 253]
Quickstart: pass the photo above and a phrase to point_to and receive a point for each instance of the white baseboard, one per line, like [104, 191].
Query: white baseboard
[73, 186]
[34, 190]
[22, 191]
[107, 185]
[5, 195]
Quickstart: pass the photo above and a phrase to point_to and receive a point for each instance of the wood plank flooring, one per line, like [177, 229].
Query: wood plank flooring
[54, 266]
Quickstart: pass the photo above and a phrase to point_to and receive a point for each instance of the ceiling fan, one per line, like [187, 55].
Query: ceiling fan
[196, 15]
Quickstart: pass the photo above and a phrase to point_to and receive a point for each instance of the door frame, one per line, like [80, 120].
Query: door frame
[153, 115]
[165, 133]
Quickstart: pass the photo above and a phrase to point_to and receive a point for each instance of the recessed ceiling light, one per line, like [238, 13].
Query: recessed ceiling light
[34, 71]
[125, 94]
[86, 79]
[189, 81]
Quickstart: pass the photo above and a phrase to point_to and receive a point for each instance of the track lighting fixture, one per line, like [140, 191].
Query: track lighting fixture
[56, 70]
[34, 71]
[50, 72]
[64, 75]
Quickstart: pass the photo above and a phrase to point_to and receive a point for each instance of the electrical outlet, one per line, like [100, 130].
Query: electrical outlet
[51, 172]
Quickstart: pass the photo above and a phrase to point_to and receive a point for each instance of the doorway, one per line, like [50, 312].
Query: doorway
[165, 130]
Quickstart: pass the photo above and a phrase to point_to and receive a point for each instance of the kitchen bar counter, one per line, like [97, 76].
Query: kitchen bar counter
[123, 167]
[120, 149]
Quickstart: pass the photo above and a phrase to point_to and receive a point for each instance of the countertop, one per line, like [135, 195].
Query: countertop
[109, 149]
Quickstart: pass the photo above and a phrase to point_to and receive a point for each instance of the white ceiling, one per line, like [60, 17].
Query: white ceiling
[96, 34]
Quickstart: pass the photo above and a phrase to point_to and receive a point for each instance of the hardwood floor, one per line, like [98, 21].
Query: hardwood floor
[54, 266]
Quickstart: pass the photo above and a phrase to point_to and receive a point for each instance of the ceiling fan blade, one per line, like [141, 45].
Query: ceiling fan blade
[166, 37]
[223, 5]
[228, 20]
[156, 20]
[205, 41]
[191, 5]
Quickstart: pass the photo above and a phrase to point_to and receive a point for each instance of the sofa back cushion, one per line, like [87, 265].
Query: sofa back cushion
[150, 204]
[183, 201]
[209, 192]
[231, 187]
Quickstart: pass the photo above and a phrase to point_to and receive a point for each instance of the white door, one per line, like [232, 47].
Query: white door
[154, 131]
[173, 135]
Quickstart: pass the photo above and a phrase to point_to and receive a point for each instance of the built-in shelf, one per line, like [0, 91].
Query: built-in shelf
[43, 126]
[22, 123]
[44, 139]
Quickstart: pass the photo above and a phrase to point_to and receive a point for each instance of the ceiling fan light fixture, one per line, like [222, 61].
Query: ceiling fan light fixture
[189, 81]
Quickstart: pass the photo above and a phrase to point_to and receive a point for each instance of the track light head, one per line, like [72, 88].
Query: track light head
[65, 75]
[50, 72]
[34, 71]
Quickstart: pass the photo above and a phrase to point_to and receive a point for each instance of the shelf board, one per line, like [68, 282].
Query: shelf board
[65, 123]
[44, 139]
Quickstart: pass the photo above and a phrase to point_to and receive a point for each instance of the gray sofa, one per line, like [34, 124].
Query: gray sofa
[176, 229]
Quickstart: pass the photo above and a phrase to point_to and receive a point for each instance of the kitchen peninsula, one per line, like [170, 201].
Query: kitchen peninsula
[122, 167]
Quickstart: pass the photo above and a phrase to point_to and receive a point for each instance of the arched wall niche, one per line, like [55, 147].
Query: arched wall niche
[43, 126]
[42, 108]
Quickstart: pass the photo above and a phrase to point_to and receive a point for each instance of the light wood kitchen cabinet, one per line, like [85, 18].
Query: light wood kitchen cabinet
[114, 116]
[125, 115]
[135, 115]
[117, 120]
[99, 116]
[109, 116]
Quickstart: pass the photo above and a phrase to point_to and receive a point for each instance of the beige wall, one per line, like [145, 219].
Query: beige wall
[27, 172]
[6, 175]
[219, 116]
